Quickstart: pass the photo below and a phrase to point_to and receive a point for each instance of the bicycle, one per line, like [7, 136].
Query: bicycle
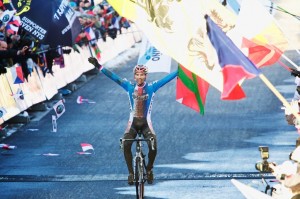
[140, 175]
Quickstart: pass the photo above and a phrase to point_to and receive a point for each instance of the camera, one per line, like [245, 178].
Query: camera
[263, 166]
[294, 72]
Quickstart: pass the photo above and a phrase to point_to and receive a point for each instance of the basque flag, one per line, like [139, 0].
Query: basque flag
[191, 90]
[235, 65]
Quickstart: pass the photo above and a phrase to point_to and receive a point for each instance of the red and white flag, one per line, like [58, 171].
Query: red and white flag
[7, 147]
[85, 147]
[81, 100]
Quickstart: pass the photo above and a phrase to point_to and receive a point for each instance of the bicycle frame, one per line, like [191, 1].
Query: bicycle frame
[139, 163]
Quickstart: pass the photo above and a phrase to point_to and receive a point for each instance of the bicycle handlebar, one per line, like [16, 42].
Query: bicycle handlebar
[137, 139]
[151, 139]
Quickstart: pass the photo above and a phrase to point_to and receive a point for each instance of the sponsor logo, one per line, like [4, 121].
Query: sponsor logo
[60, 108]
[5, 18]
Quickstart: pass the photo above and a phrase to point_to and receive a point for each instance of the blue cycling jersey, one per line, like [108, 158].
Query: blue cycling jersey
[140, 97]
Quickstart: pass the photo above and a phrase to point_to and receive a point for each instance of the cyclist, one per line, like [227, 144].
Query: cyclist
[140, 96]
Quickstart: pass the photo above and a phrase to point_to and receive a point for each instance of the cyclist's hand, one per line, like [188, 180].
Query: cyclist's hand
[95, 62]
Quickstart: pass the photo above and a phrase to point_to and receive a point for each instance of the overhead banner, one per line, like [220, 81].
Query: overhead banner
[155, 60]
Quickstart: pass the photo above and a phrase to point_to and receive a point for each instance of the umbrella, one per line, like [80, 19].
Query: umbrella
[52, 22]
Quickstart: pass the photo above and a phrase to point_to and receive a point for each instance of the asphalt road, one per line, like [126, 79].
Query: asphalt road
[197, 155]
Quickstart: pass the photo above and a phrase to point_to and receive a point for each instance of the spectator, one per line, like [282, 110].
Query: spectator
[288, 174]
[8, 56]
[290, 118]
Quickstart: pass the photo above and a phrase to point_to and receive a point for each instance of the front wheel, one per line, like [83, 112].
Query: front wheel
[139, 179]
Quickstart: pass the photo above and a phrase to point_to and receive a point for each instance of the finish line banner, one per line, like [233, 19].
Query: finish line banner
[155, 60]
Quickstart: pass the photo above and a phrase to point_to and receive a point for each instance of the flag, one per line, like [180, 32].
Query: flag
[19, 94]
[155, 60]
[2, 112]
[7, 147]
[6, 16]
[191, 90]
[13, 25]
[97, 50]
[17, 74]
[232, 5]
[59, 108]
[42, 63]
[181, 37]
[235, 65]
[86, 146]
[93, 41]
[81, 100]
[258, 35]
[60, 60]
[30, 65]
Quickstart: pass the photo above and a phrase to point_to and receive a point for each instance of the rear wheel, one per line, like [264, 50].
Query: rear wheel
[139, 179]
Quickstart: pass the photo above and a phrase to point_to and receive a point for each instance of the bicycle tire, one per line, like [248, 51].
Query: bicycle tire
[139, 179]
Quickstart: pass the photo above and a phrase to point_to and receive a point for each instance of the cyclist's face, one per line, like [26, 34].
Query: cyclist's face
[140, 77]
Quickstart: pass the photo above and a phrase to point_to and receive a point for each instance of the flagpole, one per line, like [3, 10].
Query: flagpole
[290, 61]
[280, 97]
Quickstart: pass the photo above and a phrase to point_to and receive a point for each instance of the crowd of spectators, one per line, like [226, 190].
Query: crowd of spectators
[101, 17]
[17, 46]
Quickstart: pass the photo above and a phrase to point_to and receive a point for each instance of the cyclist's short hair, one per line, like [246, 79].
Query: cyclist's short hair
[140, 68]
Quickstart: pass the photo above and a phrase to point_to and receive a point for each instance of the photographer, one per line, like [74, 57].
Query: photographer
[290, 118]
[288, 174]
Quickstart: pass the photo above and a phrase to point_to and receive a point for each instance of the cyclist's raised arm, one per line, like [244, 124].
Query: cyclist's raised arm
[113, 76]
[165, 80]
